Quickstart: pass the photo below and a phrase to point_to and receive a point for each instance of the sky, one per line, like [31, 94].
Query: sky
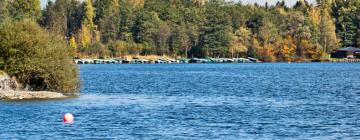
[261, 2]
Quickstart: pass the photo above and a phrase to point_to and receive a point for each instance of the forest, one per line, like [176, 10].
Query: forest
[194, 28]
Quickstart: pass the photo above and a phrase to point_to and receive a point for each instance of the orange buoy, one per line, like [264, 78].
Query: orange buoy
[68, 118]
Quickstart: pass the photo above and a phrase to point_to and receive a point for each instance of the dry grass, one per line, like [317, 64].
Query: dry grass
[149, 57]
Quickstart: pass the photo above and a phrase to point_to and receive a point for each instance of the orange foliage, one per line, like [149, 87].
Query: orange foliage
[266, 53]
[288, 49]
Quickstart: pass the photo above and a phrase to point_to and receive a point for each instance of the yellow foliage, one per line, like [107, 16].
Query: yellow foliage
[137, 3]
[73, 45]
[281, 10]
[288, 49]
[309, 50]
[89, 14]
[72, 42]
[314, 15]
[237, 46]
[85, 36]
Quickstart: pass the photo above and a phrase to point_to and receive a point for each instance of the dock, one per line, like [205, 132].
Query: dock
[166, 61]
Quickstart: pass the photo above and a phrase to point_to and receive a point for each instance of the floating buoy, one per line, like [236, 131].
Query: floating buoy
[68, 118]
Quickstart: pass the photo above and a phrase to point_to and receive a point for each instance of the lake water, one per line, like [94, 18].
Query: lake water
[199, 101]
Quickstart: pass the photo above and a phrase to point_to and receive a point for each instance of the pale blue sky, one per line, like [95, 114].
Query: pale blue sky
[261, 2]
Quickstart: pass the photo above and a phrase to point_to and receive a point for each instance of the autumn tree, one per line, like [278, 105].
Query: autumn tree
[87, 27]
[237, 47]
[288, 49]
[328, 38]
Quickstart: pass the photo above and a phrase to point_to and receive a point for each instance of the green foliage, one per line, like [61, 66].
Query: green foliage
[3, 11]
[107, 19]
[62, 17]
[215, 38]
[37, 58]
[20, 9]
[346, 14]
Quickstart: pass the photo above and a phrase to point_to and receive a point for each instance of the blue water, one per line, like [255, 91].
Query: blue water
[200, 101]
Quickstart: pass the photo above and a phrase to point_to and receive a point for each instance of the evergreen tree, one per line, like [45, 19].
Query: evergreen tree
[107, 18]
[344, 12]
[215, 34]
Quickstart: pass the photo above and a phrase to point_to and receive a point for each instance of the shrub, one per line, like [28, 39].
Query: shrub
[37, 58]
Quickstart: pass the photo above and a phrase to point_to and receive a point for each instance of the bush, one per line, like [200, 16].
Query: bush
[37, 58]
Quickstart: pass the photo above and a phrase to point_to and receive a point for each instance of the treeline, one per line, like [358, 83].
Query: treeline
[196, 28]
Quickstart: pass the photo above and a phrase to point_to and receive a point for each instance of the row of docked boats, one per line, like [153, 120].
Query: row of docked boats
[165, 60]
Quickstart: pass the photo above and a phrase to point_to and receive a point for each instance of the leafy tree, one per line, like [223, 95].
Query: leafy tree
[3, 10]
[89, 15]
[288, 49]
[85, 36]
[19, 9]
[73, 45]
[237, 46]
[37, 58]
[345, 14]
[328, 36]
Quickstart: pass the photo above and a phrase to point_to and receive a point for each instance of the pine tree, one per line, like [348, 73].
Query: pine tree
[107, 19]
[344, 12]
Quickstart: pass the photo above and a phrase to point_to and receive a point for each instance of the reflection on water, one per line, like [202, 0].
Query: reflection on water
[222, 101]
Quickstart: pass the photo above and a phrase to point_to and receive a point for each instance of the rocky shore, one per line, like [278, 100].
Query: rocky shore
[10, 90]
[30, 95]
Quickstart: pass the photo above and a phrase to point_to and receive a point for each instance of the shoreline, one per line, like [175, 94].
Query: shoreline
[164, 60]
[12, 95]
[198, 61]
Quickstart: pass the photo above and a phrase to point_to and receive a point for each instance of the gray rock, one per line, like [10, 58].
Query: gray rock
[10, 89]
[5, 82]
[30, 95]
